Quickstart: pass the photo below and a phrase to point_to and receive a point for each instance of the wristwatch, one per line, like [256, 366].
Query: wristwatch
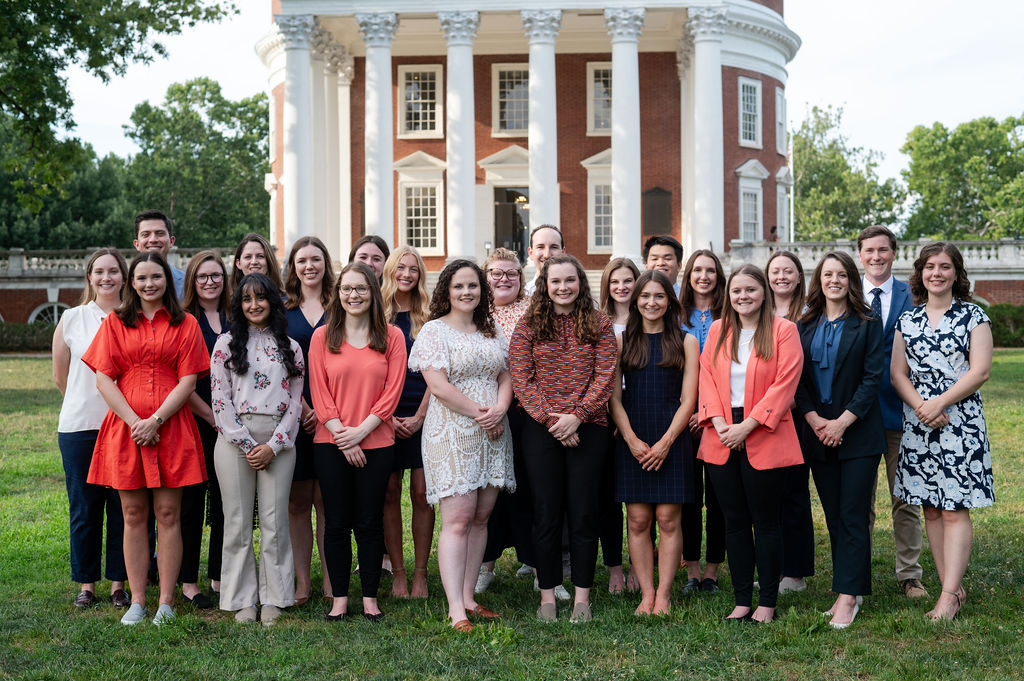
[159, 421]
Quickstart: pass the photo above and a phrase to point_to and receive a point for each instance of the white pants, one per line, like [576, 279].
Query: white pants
[239, 485]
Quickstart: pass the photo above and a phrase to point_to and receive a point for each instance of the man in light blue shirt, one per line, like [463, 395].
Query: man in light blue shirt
[153, 232]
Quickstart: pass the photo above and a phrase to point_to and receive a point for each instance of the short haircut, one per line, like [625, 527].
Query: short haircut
[873, 231]
[561, 237]
[663, 240]
[154, 214]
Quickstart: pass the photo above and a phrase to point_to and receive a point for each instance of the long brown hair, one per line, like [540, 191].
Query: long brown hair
[634, 341]
[441, 302]
[540, 316]
[292, 286]
[764, 343]
[419, 299]
[604, 298]
[335, 334]
[191, 302]
[961, 285]
[854, 292]
[686, 294]
[796, 306]
[131, 303]
[89, 293]
[273, 269]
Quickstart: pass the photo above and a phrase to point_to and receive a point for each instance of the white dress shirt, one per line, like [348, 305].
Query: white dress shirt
[885, 297]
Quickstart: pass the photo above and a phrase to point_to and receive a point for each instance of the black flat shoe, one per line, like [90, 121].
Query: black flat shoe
[337, 618]
[199, 601]
[691, 587]
[749, 617]
[374, 618]
[709, 586]
[85, 599]
[120, 599]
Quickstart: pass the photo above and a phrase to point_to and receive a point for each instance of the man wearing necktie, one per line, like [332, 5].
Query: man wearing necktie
[889, 298]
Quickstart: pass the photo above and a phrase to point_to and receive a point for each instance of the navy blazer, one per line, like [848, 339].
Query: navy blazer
[855, 386]
[892, 405]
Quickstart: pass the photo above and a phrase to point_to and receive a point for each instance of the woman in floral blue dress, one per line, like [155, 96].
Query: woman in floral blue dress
[942, 354]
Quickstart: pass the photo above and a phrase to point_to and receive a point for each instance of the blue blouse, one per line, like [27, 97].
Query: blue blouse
[699, 325]
[824, 347]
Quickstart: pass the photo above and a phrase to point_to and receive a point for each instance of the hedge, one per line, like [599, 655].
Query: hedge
[1007, 325]
[34, 337]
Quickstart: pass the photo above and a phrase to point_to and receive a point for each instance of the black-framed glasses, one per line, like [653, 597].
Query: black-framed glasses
[498, 275]
[361, 290]
[215, 277]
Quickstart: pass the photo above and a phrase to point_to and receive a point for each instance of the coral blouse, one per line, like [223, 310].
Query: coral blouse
[147, 362]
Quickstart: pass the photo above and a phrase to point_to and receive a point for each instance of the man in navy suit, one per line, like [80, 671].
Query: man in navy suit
[889, 298]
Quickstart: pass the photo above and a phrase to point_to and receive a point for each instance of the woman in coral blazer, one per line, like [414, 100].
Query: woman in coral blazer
[749, 372]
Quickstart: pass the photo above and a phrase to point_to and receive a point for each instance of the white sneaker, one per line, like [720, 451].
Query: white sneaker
[135, 614]
[788, 584]
[524, 570]
[164, 614]
[483, 580]
[560, 591]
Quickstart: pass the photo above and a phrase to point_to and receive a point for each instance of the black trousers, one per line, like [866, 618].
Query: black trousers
[714, 523]
[751, 498]
[353, 503]
[797, 523]
[845, 488]
[610, 514]
[199, 502]
[566, 484]
[511, 521]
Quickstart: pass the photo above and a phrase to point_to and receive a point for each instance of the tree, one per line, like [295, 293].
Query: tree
[966, 183]
[837, 192]
[203, 160]
[41, 39]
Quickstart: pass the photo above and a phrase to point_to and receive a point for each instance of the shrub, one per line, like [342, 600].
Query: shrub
[33, 337]
[1007, 325]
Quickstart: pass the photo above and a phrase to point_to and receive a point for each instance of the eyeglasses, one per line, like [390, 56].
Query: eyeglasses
[203, 278]
[347, 290]
[498, 275]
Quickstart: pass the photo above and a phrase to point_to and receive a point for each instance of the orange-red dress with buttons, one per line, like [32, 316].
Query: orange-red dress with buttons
[147, 362]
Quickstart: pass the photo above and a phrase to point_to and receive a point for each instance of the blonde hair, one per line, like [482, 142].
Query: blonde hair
[89, 293]
[502, 254]
[419, 300]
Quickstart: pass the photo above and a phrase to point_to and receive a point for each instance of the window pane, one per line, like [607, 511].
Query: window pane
[421, 217]
[603, 215]
[420, 101]
[749, 216]
[602, 103]
[748, 102]
[513, 100]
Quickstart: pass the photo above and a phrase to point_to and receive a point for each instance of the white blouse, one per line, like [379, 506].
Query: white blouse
[83, 407]
[738, 369]
[265, 389]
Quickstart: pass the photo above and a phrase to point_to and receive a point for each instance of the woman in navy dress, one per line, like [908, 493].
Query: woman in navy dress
[308, 284]
[653, 457]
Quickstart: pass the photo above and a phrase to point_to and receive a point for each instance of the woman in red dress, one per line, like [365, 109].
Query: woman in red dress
[147, 358]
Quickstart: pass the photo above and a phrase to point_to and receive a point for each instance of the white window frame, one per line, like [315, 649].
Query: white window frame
[758, 114]
[592, 129]
[56, 308]
[438, 131]
[496, 70]
[420, 169]
[752, 175]
[599, 173]
[783, 218]
[781, 137]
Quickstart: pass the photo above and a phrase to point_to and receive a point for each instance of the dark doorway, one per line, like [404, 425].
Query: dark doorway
[512, 219]
[657, 211]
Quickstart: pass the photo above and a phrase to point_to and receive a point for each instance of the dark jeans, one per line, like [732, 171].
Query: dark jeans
[566, 482]
[86, 505]
[511, 521]
[198, 501]
[845, 487]
[797, 523]
[353, 502]
[691, 519]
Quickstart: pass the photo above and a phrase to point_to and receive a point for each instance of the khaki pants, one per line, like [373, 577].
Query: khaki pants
[906, 519]
[239, 486]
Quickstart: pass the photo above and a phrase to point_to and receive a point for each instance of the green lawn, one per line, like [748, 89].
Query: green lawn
[43, 637]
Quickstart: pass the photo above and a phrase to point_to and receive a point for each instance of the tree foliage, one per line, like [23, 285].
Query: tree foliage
[203, 162]
[41, 39]
[837, 191]
[968, 182]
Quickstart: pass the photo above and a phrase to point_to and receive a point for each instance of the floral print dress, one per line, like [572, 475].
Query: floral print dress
[948, 468]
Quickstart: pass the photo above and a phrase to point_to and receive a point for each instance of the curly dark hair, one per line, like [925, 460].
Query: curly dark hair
[441, 301]
[961, 285]
[131, 303]
[540, 316]
[259, 284]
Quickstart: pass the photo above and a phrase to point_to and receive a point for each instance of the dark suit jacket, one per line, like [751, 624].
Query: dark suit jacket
[855, 386]
[892, 405]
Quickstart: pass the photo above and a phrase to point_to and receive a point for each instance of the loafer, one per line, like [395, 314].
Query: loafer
[164, 615]
[136, 613]
[120, 599]
[484, 613]
[85, 599]
[200, 601]
[463, 627]
[269, 615]
[246, 615]
[912, 588]
[581, 613]
[547, 612]
[691, 587]
[710, 586]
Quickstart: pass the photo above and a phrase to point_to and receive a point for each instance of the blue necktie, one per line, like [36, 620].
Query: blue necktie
[876, 302]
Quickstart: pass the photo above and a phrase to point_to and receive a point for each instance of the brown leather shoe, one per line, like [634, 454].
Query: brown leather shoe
[481, 611]
[912, 588]
[85, 599]
[120, 599]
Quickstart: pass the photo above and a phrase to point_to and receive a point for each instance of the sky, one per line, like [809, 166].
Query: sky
[890, 64]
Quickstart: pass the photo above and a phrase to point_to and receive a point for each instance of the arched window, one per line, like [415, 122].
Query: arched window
[48, 312]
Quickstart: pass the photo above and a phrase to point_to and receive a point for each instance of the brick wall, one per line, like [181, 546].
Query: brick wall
[1005, 291]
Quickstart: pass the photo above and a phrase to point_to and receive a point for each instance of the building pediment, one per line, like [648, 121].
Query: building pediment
[753, 169]
[511, 164]
[602, 159]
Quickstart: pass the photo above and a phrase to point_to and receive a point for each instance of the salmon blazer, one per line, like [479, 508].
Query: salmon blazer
[767, 396]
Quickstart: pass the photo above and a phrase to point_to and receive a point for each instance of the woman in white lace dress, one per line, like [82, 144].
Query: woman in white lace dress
[467, 452]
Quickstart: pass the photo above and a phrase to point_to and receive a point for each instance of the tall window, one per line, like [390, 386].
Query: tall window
[781, 142]
[750, 215]
[421, 109]
[421, 217]
[421, 202]
[510, 106]
[599, 98]
[599, 202]
[752, 175]
[602, 216]
[750, 112]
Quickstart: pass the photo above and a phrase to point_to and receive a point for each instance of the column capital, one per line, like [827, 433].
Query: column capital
[320, 41]
[542, 25]
[339, 61]
[684, 53]
[624, 23]
[707, 23]
[378, 28]
[459, 27]
[296, 29]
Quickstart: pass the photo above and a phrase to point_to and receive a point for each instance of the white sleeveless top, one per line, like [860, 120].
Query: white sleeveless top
[83, 408]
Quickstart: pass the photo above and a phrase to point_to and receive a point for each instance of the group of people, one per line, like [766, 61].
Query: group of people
[527, 412]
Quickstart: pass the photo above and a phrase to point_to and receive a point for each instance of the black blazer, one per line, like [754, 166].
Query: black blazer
[860, 365]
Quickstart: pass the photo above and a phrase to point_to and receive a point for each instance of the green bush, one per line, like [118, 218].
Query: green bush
[33, 337]
[1007, 325]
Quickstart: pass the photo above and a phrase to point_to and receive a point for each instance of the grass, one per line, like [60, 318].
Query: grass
[43, 637]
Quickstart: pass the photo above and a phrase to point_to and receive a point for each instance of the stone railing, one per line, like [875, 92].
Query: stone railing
[17, 263]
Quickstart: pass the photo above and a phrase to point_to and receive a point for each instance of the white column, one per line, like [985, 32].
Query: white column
[344, 186]
[378, 29]
[320, 44]
[683, 58]
[330, 229]
[707, 24]
[298, 130]
[541, 28]
[624, 27]
[460, 144]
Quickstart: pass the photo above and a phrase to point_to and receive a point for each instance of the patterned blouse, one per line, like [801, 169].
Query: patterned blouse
[507, 316]
[265, 389]
[564, 376]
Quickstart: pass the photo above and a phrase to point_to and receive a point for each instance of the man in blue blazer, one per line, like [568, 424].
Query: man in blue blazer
[889, 298]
